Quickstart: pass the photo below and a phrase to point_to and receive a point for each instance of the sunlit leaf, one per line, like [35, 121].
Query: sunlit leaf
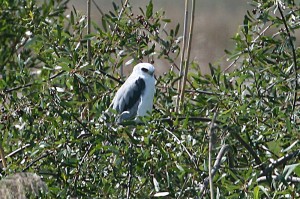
[161, 194]
[149, 11]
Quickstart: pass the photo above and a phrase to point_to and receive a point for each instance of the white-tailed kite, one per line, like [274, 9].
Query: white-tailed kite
[135, 97]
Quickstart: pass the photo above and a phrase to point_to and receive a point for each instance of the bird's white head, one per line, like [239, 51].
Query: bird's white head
[144, 69]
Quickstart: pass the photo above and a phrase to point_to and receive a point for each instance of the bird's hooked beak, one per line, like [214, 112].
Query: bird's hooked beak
[151, 73]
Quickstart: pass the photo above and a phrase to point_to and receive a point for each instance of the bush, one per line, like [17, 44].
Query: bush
[53, 94]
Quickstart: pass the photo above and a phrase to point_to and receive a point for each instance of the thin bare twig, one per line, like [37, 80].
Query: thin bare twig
[182, 54]
[186, 150]
[119, 16]
[80, 164]
[216, 167]
[279, 178]
[183, 186]
[16, 151]
[128, 192]
[2, 156]
[114, 30]
[99, 71]
[86, 153]
[249, 148]
[238, 57]
[294, 57]
[47, 153]
[30, 84]
[232, 63]
[217, 163]
[89, 30]
[192, 119]
[280, 161]
[98, 8]
[187, 60]
[18, 87]
[210, 148]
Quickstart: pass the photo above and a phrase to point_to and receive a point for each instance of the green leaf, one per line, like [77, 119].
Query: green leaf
[246, 24]
[115, 6]
[149, 11]
[264, 190]
[297, 171]
[161, 194]
[256, 192]
[88, 37]
[72, 18]
[166, 20]
[288, 125]
[129, 62]
[274, 146]
[104, 23]
[156, 184]
[80, 77]
[177, 29]
[30, 42]
[288, 169]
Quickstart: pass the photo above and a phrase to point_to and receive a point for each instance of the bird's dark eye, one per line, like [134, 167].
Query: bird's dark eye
[145, 70]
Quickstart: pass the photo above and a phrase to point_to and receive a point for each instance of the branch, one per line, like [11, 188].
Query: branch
[238, 57]
[18, 87]
[80, 164]
[89, 30]
[294, 55]
[16, 151]
[98, 8]
[170, 120]
[187, 61]
[47, 153]
[30, 84]
[182, 54]
[278, 178]
[220, 155]
[280, 161]
[85, 127]
[99, 71]
[114, 30]
[249, 148]
[179, 141]
[215, 168]
[2, 156]
[211, 135]
[130, 167]
[203, 92]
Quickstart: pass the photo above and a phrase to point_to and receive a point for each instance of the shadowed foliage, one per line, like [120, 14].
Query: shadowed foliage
[53, 98]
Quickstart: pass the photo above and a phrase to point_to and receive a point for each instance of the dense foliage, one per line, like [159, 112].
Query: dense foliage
[53, 96]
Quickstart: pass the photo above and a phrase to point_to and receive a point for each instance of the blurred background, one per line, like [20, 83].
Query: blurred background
[215, 23]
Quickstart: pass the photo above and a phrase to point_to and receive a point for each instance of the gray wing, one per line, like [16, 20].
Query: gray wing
[128, 98]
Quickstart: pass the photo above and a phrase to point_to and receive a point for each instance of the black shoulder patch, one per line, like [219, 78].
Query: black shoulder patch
[135, 93]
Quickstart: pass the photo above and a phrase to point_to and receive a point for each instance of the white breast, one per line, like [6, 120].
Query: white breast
[146, 103]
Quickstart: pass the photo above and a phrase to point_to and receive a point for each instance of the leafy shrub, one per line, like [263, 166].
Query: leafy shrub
[53, 94]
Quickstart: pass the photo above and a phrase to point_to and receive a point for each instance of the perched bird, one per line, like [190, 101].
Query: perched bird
[135, 96]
